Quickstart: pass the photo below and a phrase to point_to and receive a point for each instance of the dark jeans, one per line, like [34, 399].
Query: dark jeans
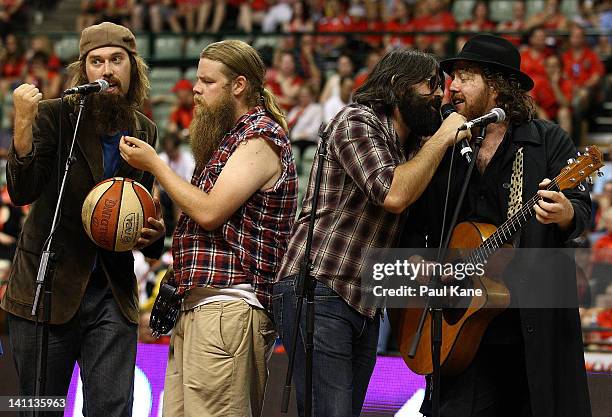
[344, 349]
[99, 338]
[493, 385]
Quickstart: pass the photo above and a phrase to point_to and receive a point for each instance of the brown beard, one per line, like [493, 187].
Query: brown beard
[209, 126]
[111, 113]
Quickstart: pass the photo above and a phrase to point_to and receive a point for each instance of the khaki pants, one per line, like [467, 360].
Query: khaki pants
[217, 365]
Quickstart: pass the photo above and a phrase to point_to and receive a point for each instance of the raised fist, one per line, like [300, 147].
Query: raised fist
[25, 100]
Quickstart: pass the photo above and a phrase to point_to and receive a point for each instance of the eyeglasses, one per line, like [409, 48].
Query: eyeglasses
[435, 81]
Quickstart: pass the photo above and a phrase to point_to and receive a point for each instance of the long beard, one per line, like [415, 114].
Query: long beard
[421, 113]
[111, 113]
[209, 126]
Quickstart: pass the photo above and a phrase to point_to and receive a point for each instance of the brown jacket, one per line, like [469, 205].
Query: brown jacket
[34, 179]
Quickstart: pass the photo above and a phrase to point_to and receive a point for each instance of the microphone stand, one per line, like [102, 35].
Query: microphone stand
[306, 288]
[432, 304]
[45, 273]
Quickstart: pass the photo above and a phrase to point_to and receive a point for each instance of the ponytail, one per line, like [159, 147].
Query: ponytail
[271, 105]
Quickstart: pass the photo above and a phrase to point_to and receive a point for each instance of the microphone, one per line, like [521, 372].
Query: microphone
[96, 87]
[494, 116]
[464, 146]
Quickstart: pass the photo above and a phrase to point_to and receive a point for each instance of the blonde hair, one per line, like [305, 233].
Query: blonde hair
[239, 58]
[139, 81]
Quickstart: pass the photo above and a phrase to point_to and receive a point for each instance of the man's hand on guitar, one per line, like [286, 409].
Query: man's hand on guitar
[554, 207]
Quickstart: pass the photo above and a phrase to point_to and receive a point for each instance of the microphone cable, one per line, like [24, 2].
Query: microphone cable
[447, 195]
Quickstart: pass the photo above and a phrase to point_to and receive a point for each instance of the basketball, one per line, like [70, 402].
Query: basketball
[114, 213]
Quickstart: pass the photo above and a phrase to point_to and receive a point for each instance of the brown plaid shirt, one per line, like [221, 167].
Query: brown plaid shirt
[362, 153]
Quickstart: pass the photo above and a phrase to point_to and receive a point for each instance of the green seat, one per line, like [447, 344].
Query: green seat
[161, 87]
[161, 111]
[169, 47]
[462, 9]
[194, 47]
[191, 74]
[569, 8]
[501, 10]
[67, 49]
[143, 45]
[266, 41]
[167, 74]
[534, 6]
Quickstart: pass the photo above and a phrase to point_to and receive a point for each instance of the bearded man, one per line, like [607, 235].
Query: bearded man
[374, 170]
[94, 314]
[530, 360]
[228, 243]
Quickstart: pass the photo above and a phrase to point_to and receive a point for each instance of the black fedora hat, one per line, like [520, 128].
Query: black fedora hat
[491, 51]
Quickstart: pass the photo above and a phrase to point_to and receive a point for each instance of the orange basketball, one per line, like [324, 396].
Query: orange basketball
[115, 211]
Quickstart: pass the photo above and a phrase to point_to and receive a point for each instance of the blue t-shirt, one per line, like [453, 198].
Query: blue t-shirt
[110, 150]
[111, 156]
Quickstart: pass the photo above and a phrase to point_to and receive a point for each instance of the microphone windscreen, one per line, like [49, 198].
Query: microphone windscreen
[103, 84]
[501, 114]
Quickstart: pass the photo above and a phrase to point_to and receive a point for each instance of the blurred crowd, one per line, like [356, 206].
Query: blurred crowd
[321, 53]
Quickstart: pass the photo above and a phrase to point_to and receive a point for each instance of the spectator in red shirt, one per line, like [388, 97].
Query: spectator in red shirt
[300, 22]
[11, 16]
[362, 75]
[438, 19]
[550, 18]
[400, 21]
[119, 12]
[334, 19]
[48, 82]
[583, 66]
[284, 82]
[91, 13]
[41, 43]
[300, 19]
[13, 64]
[553, 94]
[517, 23]
[251, 12]
[479, 22]
[533, 55]
[584, 69]
[181, 115]
[601, 274]
[374, 22]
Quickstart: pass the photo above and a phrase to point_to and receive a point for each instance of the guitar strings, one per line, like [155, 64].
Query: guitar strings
[495, 241]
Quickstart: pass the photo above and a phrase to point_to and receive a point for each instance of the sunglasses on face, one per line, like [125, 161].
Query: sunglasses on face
[435, 81]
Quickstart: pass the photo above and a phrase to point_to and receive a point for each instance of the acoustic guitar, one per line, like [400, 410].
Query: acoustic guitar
[463, 328]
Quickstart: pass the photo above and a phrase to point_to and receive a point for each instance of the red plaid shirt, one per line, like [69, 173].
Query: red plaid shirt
[248, 247]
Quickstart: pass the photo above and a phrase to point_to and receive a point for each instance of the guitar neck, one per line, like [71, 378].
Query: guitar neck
[509, 228]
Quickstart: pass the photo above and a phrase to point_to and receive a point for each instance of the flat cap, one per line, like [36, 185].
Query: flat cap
[106, 34]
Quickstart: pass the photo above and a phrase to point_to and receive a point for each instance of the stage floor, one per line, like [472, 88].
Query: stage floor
[394, 390]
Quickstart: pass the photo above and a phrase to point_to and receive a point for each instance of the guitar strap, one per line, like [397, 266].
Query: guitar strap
[516, 188]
